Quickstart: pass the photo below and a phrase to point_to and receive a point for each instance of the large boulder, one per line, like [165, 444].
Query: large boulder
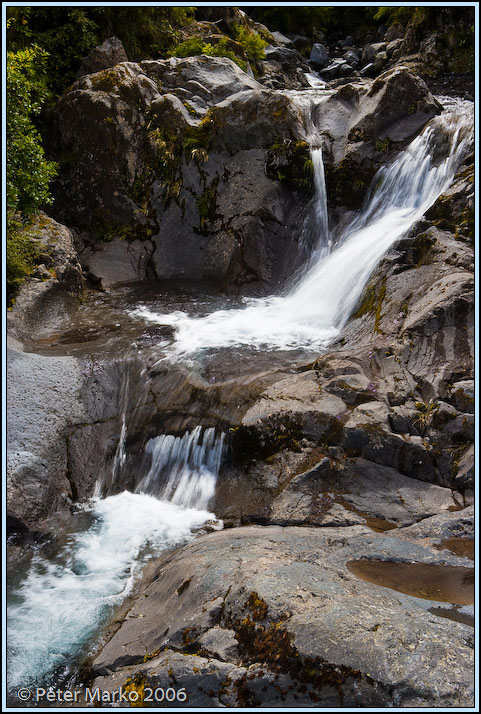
[282, 616]
[172, 142]
[53, 290]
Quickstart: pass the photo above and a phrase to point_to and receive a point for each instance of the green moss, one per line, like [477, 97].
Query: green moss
[383, 145]
[135, 684]
[23, 255]
[105, 80]
[371, 303]
[347, 183]
[270, 644]
[290, 162]
[207, 206]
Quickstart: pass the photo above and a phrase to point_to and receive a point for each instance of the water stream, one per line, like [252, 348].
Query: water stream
[68, 594]
[57, 611]
[319, 303]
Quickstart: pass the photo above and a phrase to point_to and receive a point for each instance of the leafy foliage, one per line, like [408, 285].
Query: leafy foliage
[22, 255]
[197, 46]
[68, 34]
[28, 172]
[252, 43]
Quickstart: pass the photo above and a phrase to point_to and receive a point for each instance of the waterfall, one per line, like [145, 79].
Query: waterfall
[315, 240]
[183, 469]
[320, 302]
[62, 603]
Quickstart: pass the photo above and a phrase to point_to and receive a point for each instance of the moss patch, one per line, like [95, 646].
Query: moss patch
[290, 162]
[270, 643]
[371, 303]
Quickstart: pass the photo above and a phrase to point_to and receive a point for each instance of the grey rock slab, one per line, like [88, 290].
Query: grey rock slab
[369, 493]
[119, 261]
[44, 402]
[219, 77]
[294, 581]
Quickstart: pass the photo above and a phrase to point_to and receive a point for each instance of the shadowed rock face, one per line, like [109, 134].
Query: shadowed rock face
[170, 168]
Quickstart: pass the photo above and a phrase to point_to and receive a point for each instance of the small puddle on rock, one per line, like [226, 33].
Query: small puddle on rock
[452, 613]
[442, 583]
[463, 547]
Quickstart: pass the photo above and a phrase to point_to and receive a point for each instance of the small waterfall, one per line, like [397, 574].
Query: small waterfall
[321, 300]
[184, 469]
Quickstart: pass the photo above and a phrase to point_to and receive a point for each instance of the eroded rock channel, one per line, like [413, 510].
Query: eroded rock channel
[231, 461]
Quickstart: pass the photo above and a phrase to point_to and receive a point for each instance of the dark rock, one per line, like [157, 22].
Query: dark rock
[367, 70]
[319, 55]
[392, 47]
[369, 52]
[352, 58]
[347, 42]
[337, 68]
[394, 32]
[380, 60]
[286, 57]
[108, 54]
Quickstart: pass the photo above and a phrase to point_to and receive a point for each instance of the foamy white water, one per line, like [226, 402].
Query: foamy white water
[321, 301]
[184, 469]
[61, 604]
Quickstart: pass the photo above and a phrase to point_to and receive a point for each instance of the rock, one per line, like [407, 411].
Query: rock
[352, 58]
[118, 261]
[391, 95]
[380, 60]
[369, 52]
[462, 393]
[361, 492]
[301, 43]
[180, 221]
[347, 42]
[273, 583]
[108, 54]
[367, 70]
[394, 33]
[220, 643]
[287, 58]
[44, 402]
[41, 304]
[295, 406]
[464, 478]
[319, 55]
[337, 68]
[392, 47]
[282, 39]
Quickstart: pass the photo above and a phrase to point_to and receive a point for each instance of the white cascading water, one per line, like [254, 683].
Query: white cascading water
[62, 602]
[184, 469]
[319, 304]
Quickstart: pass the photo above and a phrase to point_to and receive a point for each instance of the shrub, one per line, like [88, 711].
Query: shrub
[28, 172]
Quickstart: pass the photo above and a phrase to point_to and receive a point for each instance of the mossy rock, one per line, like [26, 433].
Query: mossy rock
[289, 162]
[371, 303]
[348, 183]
